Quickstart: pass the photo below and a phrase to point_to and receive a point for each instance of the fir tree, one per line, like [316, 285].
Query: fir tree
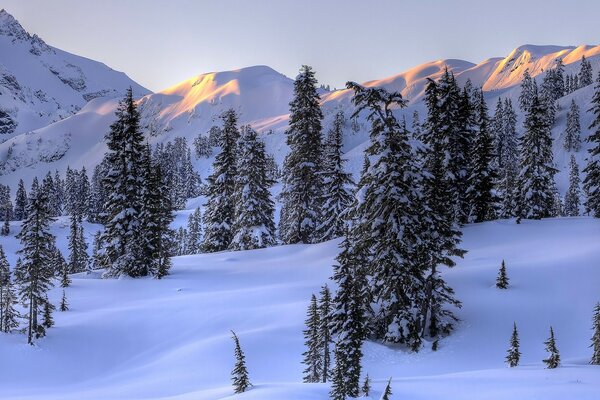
[585, 73]
[4, 282]
[239, 375]
[194, 232]
[253, 225]
[301, 171]
[387, 392]
[502, 279]
[573, 195]
[366, 387]
[596, 338]
[34, 275]
[20, 202]
[124, 184]
[64, 306]
[5, 230]
[591, 183]
[572, 134]
[48, 308]
[10, 315]
[527, 91]
[337, 184]
[78, 257]
[338, 383]
[514, 355]
[325, 337]
[65, 280]
[553, 360]
[220, 208]
[312, 355]
[536, 175]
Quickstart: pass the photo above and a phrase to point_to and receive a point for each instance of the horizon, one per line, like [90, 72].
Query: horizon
[162, 57]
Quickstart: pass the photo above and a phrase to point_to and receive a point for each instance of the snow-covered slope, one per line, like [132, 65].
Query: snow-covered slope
[169, 339]
[40, 84]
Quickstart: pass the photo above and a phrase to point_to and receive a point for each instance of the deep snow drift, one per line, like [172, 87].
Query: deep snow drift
[169, 339]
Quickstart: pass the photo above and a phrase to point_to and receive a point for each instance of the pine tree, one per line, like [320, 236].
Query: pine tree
[572, 134]
[596, 338]
[591, 183]
[387, 393]
[5, 230]
[98, 260]
[239, 375]
[497, 129]
[502, 279]
[536, 175]
[366, 387]
[124, 185]
[78, 257]
[585, 73]
[482, 177]
[4, 282]
[325, 337]
[573, 195]
[553, 360]
[253, 225]
[312, 355]
[194, 232]
[301, 171]
[20, 202]
[527, 92]
[64, 306]
[48, 308]
[34, 275]
[508, 163]
[10, 315]
[338, 383]
[514, 355]
[65, 280]
[220, 208]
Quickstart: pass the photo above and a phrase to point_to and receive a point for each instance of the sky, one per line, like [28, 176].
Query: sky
[159, 43]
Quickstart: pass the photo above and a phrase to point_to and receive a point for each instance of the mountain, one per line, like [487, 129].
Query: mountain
[40, 84]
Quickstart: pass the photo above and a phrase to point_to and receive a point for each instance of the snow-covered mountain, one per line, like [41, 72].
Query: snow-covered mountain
[40, 84]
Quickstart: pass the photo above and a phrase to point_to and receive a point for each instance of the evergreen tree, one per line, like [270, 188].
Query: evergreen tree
[8, 303]
[4, 282]
[553, 360]
[508, 163]
[78, 257]
[337, 193]
[253, 225]
[591, 183]
[239, 375]
[596, 338]
[312, 355]
[585, 73]
[387, 393]
[194, 232]
[572, 134]
[48, 308]
[302, 181]
[5, 230]
[98, 260]
[325, 337]
[497, 128]
[573, 195]
[536, 175]
[64, 306]
[34, 275]
[124, 184]
[219, 212]
[20, 202]
[338, 389]
[527, 92]
[65, 280]
[366, 387]
[502, 279]
[514, 355]
[482, 177]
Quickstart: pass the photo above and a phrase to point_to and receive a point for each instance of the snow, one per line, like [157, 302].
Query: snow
[169, 339]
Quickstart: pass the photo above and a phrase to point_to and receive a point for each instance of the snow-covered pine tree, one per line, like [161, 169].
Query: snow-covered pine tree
[553, 360]
[97, 260]
[253, 225]
[34, 274]
[536, 175]
[596, 337]
[508, 171]
[480, 192]
[416, 128]
[585, 73]
[20, 202]
[220, 208]
[591, 183]
[83, 195]
[48, 308]
[497, 130]
[312, 356]
[239, 375]
[337, 193]
[194, 232]
[124, 184]
[10, 314]
[502, 279]
[573, 195]
[64, 305]
[573, 131]
[527, 91]
[576, 84]
[71, 191]
[78, 257]
[387, 392]
[338, 380]
[48, 187]
[325, 337]
[65, 280]
[366, 387]
[98, 193]
[4, 281]
[513, 355]
[59, 192]
[5, 230]
[302, 182]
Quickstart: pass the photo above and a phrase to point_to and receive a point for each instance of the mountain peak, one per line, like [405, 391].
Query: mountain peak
[9, 26]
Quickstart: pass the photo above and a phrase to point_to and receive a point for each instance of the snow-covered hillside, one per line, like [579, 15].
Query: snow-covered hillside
[40, 84]
[261, 96]
[170, 339]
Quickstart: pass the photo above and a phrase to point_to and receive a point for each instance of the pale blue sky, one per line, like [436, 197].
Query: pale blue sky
[159, 43]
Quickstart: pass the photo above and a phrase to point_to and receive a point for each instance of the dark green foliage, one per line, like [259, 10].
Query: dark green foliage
[387, 393]
[553, 360]
[596, 337]
[514, 355]
[64, 306]
[239, 375]
[312, 356]
[502, 279]
[591, 183]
